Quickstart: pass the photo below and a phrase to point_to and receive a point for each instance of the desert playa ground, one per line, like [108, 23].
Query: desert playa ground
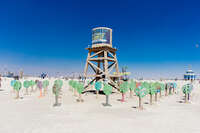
[31, 114]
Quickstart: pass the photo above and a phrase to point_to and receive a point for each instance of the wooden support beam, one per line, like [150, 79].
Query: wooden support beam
[92, 68]
[112, 67]
[95, 66]
[86, 65]
[106, 64]
[96, 53]
[101, 58]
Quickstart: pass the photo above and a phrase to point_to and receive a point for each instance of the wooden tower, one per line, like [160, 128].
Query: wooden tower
[102, 57]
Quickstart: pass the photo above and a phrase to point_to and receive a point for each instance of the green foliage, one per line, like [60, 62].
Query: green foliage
[124, 87]
[70, 83]
[26, 84]
[152, 89]
[145, 85]
[57, 87]
[107, 89]
[74, 84]
[162, 86]
[80, 87]
[32, 83]
[59, 83]
[187, 88]
[132, 85]
[45, 83]
[157, 86]
[98, 85]
[17, 85]
[141, 92]
[175, 85]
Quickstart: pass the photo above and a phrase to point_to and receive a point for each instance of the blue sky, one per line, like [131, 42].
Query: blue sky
[155, 38]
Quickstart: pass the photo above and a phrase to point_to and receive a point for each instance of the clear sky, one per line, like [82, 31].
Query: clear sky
[155, 38]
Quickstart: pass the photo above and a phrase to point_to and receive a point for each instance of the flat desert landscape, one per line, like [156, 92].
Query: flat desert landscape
[31, 114]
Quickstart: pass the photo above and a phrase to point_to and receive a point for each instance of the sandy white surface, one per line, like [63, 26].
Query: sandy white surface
[37, 115]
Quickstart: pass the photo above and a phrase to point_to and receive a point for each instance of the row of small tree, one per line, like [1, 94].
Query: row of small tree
[140, 89]
[79, 87]
[41, 85]
[17, 85]
[144, 88]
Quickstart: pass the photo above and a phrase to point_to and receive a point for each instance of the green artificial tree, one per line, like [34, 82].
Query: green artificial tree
[157, 87]
[57, 91]
[132, 86]
[17, 87]
[45, 85]
[187, 90]
[70, 85]
[170, 88]
[107, 89]
[140, 91]
[74, 86]
[12, 84]
[151, 91]
[98, 86]
[80, 89]
[162, 88]
[26, 85]
[32, 83]
[123, 89]
[167, 88]
[174, 87]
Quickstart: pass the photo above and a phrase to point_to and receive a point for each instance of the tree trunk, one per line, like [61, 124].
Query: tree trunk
[140, 103]
[186, 98]
[160, 93]
[40, 93]
[80, 97]
[165, 92]
[156, 97]
[107, 101]
[97, 94]
[75, 94]
[122, 100]
[17, 95]
[56, 100]
[170, 91]
[131, 94]
[44, 93]
[151, 101]
[31, 88]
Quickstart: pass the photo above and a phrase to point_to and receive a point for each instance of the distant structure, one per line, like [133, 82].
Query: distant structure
[102, 57]
[21, 73]
[43, 75]
[190, 75]
[9, 74]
